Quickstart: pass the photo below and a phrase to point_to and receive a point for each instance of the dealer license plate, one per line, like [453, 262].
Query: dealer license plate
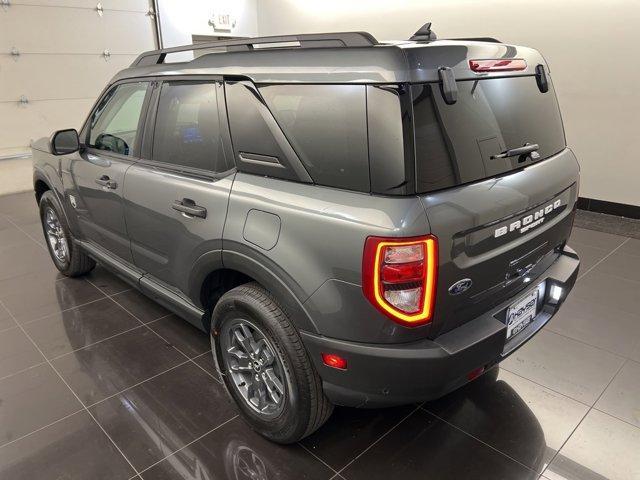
[521, 313]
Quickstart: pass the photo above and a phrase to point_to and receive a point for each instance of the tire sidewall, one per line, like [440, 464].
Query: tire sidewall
[49, 201]
[292, 420]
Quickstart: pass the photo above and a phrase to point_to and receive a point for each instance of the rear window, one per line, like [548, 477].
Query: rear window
[454, 143]
[327, 127]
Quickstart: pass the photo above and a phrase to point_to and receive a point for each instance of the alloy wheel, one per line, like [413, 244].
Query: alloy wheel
[253, 366]
[55, 235]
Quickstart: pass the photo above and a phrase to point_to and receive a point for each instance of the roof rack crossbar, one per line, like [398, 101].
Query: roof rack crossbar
[311, 40]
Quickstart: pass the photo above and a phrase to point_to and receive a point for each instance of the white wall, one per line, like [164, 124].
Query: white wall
[591, 47]
[180, 19]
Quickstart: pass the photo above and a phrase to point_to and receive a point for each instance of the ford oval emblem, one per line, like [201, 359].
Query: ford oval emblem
[460, 286]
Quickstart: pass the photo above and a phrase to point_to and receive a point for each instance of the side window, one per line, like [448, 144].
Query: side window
[327, 127]
[114, 124]
[187, 131]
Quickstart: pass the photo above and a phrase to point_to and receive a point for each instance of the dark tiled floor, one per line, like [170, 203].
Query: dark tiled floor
[98, 382]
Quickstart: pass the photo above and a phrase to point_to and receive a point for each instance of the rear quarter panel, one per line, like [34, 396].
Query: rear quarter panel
[319, 246]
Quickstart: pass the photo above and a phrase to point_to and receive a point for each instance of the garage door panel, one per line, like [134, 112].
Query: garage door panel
[74, 30]
[45, 77]
[130, 5]
[40, 119]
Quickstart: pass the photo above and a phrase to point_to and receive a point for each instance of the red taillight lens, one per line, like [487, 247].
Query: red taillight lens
[334, 361]
[498, 65]
[399, 277]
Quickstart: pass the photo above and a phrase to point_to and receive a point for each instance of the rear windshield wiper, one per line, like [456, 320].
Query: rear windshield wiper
[518, 152]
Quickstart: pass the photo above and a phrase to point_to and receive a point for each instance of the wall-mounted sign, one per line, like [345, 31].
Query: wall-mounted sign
[222, 21]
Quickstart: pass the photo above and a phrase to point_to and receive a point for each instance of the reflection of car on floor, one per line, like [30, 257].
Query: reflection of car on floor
[355, 222]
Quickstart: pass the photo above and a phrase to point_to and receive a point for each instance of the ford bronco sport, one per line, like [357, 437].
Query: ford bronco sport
[354, 222]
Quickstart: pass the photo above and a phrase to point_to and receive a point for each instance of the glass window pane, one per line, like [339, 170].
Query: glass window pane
[457, 144]
[327, 127]
[114, 123]
[187, 131]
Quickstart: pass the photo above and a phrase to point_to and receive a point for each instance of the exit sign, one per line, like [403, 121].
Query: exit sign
[222, 21]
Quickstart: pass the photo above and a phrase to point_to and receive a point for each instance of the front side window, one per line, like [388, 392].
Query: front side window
[187, 131]
[114, 123]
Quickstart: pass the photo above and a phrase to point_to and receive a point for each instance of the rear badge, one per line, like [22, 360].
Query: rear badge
[460, 286]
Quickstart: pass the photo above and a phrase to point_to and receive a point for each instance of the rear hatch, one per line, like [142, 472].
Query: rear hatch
[500, 216]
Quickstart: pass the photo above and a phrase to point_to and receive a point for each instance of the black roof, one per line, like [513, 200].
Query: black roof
[345, 57]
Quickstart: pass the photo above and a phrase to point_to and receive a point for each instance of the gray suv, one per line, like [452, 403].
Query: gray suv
[354, 222]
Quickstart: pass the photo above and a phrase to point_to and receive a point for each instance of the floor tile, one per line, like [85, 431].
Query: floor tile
[589, 256]
[32, 399]
[234, 451]
[592, 238]
[527, 422]
[18, 206]
[34, 232]
[11, 237]
[182, 335]
[6, 320]
[76, 328]
[141, 306]
[621, 265]
[622, 398]
[350, 431]
[596, 324]
[610, 291]
[602, 447]
[108, 367]
[74, 448]
[206, 362]
[631, 247]
[24, 259]
[107, 282]
[571, 368]
[424, 447]
[17, 352]
[156, 418]
[34, 296]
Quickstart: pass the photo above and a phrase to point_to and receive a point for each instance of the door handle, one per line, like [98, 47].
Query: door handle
[105, 181]
[189, 207]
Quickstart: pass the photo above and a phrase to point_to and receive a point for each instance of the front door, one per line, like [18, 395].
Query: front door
[98, 172]
[176, 196]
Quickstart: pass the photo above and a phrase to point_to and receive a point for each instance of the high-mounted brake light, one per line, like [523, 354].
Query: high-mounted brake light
[498, 65]
[399, 277]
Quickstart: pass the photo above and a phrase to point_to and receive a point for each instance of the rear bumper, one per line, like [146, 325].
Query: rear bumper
[384, 375]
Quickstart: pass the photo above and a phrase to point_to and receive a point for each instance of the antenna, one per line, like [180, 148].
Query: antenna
[424, 34]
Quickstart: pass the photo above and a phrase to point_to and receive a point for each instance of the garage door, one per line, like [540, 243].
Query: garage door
[64, 52]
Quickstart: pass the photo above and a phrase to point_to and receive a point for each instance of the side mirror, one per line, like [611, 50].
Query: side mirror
[65, 141]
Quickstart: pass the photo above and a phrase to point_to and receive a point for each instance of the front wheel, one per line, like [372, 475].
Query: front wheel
[265, 367]
[66, 255]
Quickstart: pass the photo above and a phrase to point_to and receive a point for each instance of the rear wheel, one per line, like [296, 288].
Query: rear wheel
[66, 255]
[265, 368]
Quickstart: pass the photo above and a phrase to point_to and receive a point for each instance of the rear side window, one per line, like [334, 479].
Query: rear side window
[114, 123]
[457, 144]
[187, 131]
[327, 127]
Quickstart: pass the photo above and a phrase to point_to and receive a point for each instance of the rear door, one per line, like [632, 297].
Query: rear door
[111, 146]
[176, 196]
[500, 218]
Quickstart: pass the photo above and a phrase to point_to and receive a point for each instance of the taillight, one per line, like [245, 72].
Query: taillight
[399, 277]
[498, 65]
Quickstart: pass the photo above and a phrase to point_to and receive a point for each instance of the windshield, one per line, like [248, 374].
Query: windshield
[457, 144]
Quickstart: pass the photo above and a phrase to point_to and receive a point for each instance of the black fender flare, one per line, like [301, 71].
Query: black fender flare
[244, 259]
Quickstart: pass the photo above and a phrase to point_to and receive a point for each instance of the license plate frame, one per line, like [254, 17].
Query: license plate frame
[521, 313]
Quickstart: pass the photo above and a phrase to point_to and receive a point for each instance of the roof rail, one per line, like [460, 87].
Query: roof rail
[311, 40]
[477, 39]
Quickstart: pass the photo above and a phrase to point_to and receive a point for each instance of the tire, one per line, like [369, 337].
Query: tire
[303, 407]
[73, 262]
